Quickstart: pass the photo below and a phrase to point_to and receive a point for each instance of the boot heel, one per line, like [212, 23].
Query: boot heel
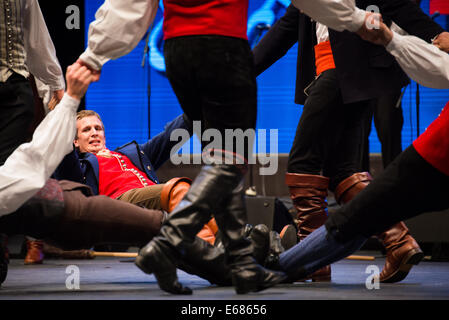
[143, 265]
[414, 257]
[243, 286]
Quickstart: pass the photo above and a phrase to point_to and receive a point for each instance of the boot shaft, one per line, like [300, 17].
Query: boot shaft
[309, 193]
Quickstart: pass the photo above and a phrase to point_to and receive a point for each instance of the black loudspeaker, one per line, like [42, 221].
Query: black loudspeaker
[269, 211]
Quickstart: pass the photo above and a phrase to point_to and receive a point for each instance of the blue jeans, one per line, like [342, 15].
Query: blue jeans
[317, 250]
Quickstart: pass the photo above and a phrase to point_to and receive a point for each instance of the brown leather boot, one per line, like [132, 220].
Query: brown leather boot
[173, 192]
[402, 253]
[309, 193]
[402, 250]
[35, 254]
[351, 186]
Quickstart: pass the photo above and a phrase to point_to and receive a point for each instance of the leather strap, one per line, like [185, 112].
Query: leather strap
[350, 182]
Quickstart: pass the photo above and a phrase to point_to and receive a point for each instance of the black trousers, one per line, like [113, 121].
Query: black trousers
[409, 186]
[388, 120]
[16, 114]
[214, 80]
[329, 137]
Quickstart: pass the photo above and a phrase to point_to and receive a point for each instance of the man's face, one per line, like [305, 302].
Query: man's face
[90, 135]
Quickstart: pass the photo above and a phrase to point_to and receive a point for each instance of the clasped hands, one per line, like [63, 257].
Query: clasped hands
[376, 31]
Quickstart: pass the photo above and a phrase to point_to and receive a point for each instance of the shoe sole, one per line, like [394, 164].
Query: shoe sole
[241, 288]
[413, 258]
[289, 237]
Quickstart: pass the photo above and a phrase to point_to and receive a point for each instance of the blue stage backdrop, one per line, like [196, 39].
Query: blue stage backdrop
[135, 102]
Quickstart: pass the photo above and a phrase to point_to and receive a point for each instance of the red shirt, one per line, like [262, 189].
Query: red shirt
[117, 174]
[201, 17]
[441, 6]
[433, 144]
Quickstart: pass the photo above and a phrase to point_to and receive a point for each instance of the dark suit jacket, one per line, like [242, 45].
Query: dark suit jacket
[147, 157]
[365, 70]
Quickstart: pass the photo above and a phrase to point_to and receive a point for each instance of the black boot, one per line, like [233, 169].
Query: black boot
[210, 192]
[206, 261]
[260, 237]
[154, 258]
[247, 275]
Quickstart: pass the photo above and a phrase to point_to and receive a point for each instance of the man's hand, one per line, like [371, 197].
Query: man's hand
[78, 80]
[442, 41]
[95, 73]
[374, 30]
[55, 99]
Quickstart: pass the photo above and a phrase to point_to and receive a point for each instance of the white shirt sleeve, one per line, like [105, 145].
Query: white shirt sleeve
[28, 168]
[423, 62]
[118, 28]
[41, 54]
[336, 14]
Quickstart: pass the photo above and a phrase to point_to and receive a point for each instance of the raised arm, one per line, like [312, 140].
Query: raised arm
[27, 169]
[118, 28]
[422, 61]
[336, 14]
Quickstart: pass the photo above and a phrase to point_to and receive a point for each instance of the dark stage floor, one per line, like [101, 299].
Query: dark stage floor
[119, 279]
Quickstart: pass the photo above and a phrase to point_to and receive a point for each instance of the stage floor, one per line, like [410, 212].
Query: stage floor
[120, 279]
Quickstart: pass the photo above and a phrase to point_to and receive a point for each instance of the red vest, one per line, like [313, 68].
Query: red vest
[433, 144]
[201, 17]
[117, 175]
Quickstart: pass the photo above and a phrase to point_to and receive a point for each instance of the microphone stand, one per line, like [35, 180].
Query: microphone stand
[146, 51]
[434, 16]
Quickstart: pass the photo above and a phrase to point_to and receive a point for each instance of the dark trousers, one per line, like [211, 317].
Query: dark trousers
[388, 120]
[409, 186]
[16, 114]
[83, 221]
[329, 136]
[214, 80]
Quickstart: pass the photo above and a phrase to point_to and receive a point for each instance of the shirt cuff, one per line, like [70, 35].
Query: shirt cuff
[358, 19]
[69, 102]
[93, 60]
[395, 43]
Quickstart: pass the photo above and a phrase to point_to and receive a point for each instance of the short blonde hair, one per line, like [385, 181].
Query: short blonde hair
[87, 113]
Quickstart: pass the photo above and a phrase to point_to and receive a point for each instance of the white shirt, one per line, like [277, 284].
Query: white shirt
[118, 28]
[120, 25]
[422, 61]
[322, 33]
[28, 168]
[336, 14]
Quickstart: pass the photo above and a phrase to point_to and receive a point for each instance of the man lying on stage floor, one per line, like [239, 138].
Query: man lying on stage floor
[68, 214]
